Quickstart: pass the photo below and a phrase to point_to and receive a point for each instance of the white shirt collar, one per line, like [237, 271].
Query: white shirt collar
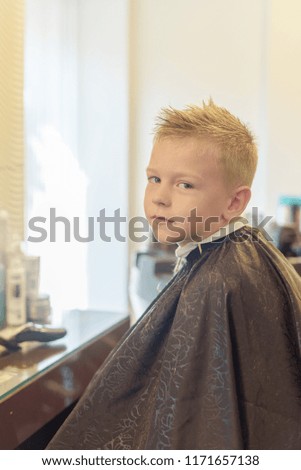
[183, 251]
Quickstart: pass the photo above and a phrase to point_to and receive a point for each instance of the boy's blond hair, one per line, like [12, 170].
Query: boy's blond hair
[237, 150]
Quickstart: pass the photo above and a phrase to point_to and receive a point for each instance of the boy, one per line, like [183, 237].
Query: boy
[214, 362]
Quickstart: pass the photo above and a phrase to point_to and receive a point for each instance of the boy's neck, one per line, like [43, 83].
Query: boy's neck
[222, 231]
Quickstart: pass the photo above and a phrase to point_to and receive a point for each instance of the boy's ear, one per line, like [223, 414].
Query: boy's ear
[238, 202]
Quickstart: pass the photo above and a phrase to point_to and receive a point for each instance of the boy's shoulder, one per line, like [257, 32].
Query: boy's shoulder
[245, 277]
[246, 260]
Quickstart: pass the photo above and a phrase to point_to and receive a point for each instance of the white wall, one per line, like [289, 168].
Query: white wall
[284, 100]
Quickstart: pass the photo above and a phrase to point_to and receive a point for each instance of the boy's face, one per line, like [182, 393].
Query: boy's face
[185, 197]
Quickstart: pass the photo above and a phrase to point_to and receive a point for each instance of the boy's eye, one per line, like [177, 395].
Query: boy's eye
[154, 179]
[185, 185]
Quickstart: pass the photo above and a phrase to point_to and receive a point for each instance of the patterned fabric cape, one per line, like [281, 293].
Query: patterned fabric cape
[214, 362]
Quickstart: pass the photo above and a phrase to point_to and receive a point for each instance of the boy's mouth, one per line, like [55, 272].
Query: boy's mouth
[159, 218]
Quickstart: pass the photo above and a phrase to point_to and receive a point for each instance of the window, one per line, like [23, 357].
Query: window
[76, 147]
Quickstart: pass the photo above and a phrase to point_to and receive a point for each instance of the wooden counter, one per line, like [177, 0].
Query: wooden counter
[43, 379]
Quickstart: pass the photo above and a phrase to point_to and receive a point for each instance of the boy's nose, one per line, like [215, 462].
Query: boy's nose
[161, 198]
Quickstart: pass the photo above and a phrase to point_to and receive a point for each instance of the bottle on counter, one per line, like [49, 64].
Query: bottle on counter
[4, 238]
[15, 286]
[4, 234]
[2, 296]
[32, 266]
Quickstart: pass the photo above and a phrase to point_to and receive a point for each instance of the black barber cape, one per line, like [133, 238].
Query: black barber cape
[214, 362]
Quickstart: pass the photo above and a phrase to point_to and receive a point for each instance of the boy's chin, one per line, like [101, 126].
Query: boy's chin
[168, 239]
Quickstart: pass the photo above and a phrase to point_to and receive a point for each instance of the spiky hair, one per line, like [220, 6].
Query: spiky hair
[234, 142]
